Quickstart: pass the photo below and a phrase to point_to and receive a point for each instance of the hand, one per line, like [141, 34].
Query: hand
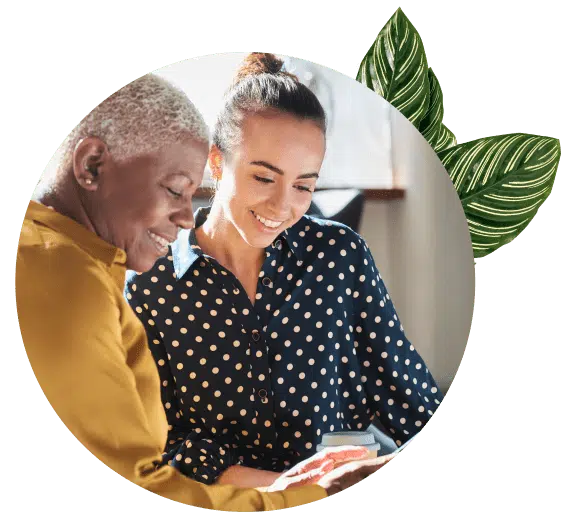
[350, 473]
[314, 468]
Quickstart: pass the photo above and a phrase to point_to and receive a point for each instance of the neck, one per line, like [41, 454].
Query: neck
[220, 239]
[64, 198]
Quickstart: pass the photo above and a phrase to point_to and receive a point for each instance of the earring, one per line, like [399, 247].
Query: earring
[88, 181]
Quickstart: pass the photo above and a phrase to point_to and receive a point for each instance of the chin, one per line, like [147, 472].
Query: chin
[262, 245]
[256, 238]
[259, 241]
[140, 265]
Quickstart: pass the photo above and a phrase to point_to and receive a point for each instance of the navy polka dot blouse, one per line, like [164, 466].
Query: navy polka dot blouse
[321, 350]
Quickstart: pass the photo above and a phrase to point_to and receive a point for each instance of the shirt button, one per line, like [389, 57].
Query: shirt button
[263, 395]
[266, 281]
[256, 335]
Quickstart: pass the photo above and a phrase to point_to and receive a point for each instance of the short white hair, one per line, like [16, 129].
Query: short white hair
[142, 117]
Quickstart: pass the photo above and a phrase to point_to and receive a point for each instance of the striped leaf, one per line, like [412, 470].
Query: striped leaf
[431, 126]
[395, 67]
[501, 181]
[445, 139]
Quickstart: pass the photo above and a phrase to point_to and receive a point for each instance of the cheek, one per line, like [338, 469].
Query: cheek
[247, 189]
[243, 195]
[301, 204]
[147, 212]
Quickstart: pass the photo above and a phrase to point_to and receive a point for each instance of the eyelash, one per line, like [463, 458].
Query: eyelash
[174, 194]
[270, 181]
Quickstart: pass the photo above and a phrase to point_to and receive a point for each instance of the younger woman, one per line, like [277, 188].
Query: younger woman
[270, 327]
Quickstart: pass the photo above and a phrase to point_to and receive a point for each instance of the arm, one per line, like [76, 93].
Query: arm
[246, 477]
[70, 325]
[196, 454]
[401, 391]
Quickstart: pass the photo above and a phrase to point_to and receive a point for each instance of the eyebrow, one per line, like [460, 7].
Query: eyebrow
[182, 174]
[273, 168]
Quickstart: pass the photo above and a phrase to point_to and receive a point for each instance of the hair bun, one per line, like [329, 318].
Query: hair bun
[258, 63]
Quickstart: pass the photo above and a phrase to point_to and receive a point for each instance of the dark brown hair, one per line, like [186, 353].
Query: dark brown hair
[261, 85]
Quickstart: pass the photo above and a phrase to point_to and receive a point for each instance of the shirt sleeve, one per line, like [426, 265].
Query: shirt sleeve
[189, 449]
[70, 323]
[401, 391]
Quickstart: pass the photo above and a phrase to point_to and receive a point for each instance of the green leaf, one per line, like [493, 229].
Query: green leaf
[395, 67]
[445, 139]
[501, 181]
[431, 126]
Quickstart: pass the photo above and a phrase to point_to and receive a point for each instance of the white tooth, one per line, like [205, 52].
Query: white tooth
[160, 240]
[267, 222]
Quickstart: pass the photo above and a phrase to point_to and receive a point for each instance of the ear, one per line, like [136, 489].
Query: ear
[90, 157]
[215, 162]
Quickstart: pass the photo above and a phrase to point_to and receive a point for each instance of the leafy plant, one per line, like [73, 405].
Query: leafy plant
[431, 126]
[396, 68]
[501, 181]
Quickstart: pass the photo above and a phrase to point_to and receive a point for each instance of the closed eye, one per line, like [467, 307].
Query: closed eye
[263, 179]
[304, 188]
[175, 194]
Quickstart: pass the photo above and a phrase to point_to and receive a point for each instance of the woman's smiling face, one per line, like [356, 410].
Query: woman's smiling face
[138, 204]
[269, 177]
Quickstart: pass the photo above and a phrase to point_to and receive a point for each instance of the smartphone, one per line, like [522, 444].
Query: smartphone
[405, 444]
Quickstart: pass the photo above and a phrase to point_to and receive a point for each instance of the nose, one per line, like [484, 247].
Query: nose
[279, 203]
[183, 217]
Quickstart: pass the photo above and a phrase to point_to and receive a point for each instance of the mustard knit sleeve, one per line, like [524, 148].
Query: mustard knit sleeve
[70, 321]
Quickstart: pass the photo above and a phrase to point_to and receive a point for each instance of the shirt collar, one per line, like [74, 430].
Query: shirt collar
[293, 240]
[186, 251]
[87, 240]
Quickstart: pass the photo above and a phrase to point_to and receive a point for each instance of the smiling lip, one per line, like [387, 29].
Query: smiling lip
[269, 224]
[161, 242]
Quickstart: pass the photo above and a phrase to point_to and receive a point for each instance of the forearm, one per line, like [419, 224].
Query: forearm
[246, 477]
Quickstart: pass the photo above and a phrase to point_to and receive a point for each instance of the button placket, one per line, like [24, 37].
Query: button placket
[264, 395]
[263, 401]
[258, 357]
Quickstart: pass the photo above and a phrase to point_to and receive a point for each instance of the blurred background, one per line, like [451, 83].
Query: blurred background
[381, 178]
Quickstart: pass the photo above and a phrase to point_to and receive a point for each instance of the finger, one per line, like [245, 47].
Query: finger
[364, 467]
[367, 466]
[336, 454]
[325, 467]
[380, 461]
[346, 453]
[309, 465]
[312, 476]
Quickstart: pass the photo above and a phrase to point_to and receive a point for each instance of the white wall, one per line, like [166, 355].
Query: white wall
[422, 247]
[358, 129]
[358, 135]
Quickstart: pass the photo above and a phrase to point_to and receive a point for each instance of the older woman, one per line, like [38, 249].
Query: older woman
[118, 192]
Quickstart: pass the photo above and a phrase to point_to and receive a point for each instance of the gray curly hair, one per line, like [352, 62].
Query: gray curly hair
[140, 118]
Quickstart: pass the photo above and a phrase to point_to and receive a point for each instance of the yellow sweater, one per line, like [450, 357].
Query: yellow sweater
[89, 353]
